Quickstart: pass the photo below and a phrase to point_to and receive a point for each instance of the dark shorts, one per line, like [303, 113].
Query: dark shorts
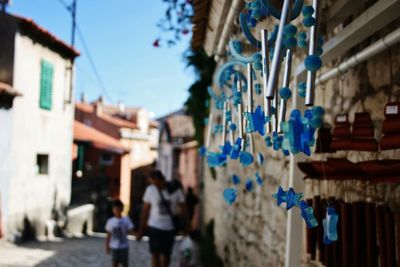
[161, 241]
[120, 255]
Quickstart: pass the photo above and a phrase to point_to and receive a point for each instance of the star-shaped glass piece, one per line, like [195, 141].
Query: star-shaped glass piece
[256, 121]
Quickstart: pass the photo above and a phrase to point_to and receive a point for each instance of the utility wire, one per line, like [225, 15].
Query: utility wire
[88, 54]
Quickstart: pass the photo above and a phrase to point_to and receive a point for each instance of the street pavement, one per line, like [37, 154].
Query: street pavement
[72, 252]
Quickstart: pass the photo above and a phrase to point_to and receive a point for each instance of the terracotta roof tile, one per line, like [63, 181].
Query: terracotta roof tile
[98, 139]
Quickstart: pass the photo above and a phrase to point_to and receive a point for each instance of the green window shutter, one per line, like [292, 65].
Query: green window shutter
[46, 85]
[81, 157]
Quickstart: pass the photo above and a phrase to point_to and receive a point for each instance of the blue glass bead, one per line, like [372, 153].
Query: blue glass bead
[302, 85]
[232, 127]
[316, 123]
[289, 30]
[202, 151]
[285, 93]
[235, 179]
[302, 44]
[307, 213]
[318, 111]
[230, 195]
[245, 158]
[256, 14]
[260, 159]
[319, 51]
[289, 42]
[302, 94]
[312, 62]
[218, 128]
[258, 88]
[257, 57]
[307, 11]
[302, 36]
[257, 65]
[205, 121]
[268, 141]
[255, 5]
[309, 21]
[320, 41]
[238, 46]
[259, 180]
[249, 185]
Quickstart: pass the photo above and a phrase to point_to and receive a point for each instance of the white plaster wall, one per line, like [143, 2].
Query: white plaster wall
[34, 131]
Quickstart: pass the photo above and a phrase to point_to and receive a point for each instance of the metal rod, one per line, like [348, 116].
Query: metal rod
[249, 87]
[265, 70]
[223, 136]
[208, 141]
[231, 137]
[276, 60]
[276, 105]
[240, 109]
[286, 82]
[367, 53]
[310, 89]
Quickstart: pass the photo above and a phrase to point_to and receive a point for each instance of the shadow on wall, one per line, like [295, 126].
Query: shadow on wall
[28, 232]
[208, 255]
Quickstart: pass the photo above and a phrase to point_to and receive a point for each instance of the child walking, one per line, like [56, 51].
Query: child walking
[117, 229]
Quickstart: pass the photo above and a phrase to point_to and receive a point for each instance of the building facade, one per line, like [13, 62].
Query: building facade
[255, 231]
[36, 135]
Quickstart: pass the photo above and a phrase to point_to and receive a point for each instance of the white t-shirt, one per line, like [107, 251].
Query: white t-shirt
[159, 217]
[119, 229]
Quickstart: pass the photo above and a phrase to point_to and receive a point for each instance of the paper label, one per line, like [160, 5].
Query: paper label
[342, 118]
[392, 110]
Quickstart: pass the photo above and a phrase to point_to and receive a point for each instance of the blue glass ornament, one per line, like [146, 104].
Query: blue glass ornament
[285, 93]
[258, 88]
[330, 225]
[256, 121]
[290, 197]
[202, 151]
[226, 149]
[257, 65]
[307, 11]
[289, 42]
[289, 30]
[249, 185]
[307, 213]
[236, 148]
[302, 44]
[268, 141]
[235, 179]
[232, 127]
[215, 159]
[309, 21]
[230, 195]
[302, 36]
[245, 158]
[217, 128]
[260, 159]
[313, 63]
[259, 180]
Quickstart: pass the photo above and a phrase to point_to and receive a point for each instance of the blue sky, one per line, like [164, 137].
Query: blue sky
[119, 35]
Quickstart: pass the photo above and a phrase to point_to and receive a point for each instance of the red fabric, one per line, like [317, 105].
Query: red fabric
[391, 126]
[362, 118]
[341, 144]
[364, 145]
[391, 141]
[341, 131]
[380, 167]
[363, 131]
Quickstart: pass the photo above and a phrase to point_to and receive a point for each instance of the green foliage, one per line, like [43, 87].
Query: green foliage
[196, 104]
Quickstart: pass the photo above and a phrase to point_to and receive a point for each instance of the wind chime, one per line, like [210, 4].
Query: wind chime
[290, 135]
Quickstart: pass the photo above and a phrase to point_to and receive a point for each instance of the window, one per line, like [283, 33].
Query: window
[106, 159]
[42, 164]
[46, 85]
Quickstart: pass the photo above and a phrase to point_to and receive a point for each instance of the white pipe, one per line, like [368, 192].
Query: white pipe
[367, 53]
[226, 31]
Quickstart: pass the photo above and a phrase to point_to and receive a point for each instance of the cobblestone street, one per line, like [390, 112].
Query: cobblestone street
[76, 252]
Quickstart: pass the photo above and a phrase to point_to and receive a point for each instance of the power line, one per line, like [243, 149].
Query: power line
[92, 63]
[70, 9]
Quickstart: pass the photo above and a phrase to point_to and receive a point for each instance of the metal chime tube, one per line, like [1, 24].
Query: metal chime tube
[208, 141]
[310, 89]
[223, 136]
[250, 97]
[276, 105]
[240, 111]
[228, 109]
[265, 69]
[276, 60]
[286, 82]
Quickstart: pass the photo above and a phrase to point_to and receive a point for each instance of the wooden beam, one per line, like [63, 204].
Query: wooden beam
[372, 20]
[341, 10]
